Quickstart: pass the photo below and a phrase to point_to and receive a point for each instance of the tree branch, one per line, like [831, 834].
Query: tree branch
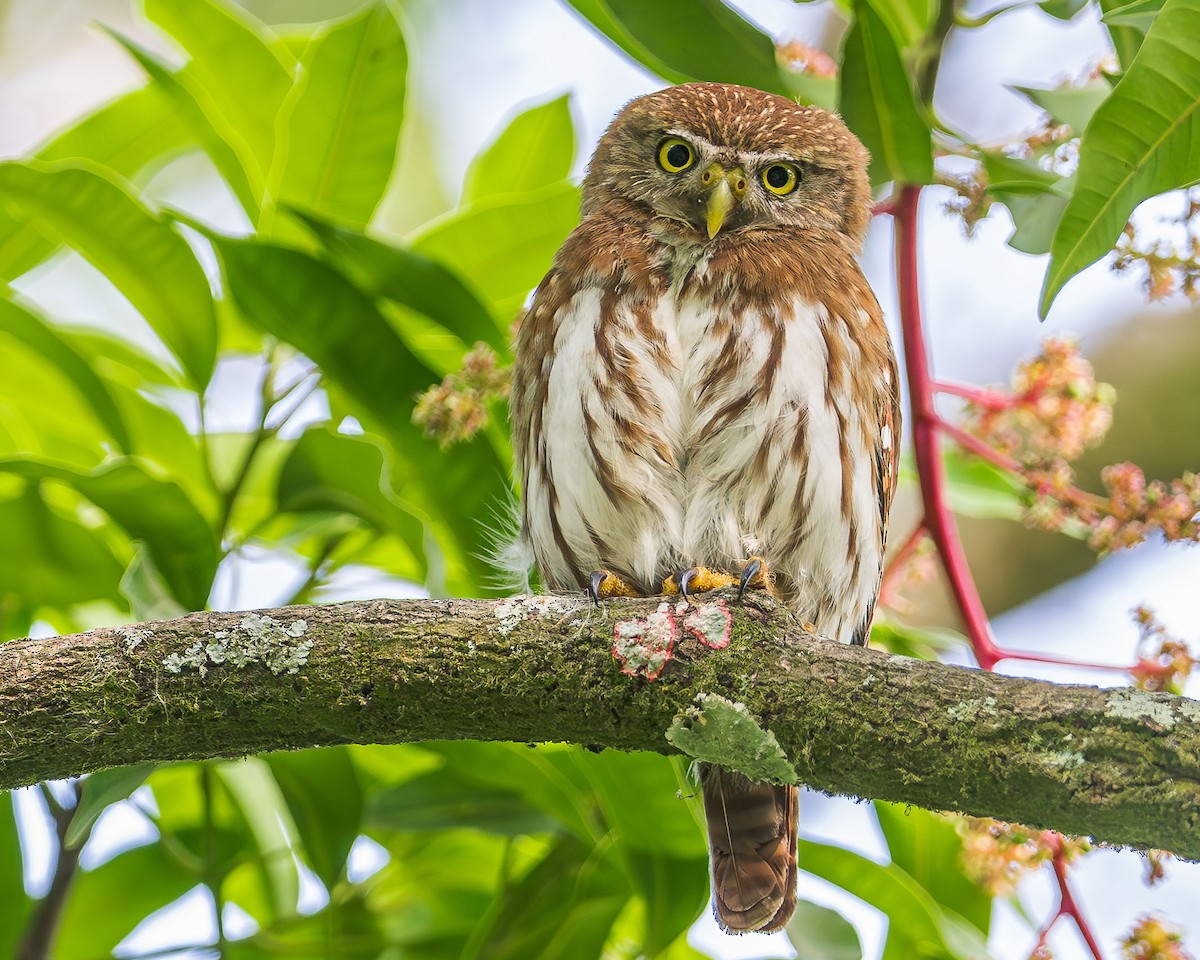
[1121, 765]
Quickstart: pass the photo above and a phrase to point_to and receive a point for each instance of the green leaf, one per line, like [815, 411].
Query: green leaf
[309, 304]
[534, 150]
[1035, 198]
[100, 791]
[977, 489]
[153, 510]
[1127, 38]
[503, 246]
[12, 881]
[1139, 15]
[819, 933]
[917, 926]
[1142, 141]
[344, 930]
[261, 804]
[562, 909]
[139, 252]
[443, 800]
[908, 21]
[329, 471]
[178, 89]
[128, 135]
[1063, 9]
[719, 731]
[879, 105]
[241, 103]
[105, 904]
[48, 560]
[413, 281]
[1073, 106]
[35, 331]
[343, 117]
[323, 794]
[641, 797]
[922, 643]
[927, 847]
[683, 40]
[674, 892]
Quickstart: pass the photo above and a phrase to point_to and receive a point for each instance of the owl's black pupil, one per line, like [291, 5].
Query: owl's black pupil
[777, 177]
[678, 155]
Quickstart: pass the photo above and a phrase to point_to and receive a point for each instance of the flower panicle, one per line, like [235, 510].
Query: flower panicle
[458, 408]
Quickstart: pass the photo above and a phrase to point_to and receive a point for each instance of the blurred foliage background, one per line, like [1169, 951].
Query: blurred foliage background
[225, 290]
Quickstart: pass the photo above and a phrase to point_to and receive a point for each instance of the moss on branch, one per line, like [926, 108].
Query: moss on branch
[1121, 765]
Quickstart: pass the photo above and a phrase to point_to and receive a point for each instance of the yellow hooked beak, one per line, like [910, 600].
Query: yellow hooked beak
[725, 188]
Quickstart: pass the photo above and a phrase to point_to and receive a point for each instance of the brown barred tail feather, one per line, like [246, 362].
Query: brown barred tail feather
[752, 849]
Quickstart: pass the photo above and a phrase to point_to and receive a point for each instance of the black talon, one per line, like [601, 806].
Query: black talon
[593, 587]
[684, 579]
[749, 572]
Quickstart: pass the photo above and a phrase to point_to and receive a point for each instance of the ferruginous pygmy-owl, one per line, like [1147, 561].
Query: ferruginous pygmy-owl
[705, 393]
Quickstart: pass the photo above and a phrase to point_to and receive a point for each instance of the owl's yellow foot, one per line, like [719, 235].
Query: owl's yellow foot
[756, 575]
[603, 584]
[695, 580]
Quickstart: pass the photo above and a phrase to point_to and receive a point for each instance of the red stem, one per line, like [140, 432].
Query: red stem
[992, 399]
[934, 495]
[939, 520]
[896, 565]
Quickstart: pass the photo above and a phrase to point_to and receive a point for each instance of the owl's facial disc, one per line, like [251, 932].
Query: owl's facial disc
[725, 190]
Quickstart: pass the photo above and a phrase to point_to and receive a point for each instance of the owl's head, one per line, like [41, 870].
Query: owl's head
[716, 158]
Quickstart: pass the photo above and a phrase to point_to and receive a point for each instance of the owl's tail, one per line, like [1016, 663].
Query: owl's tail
[752, 849]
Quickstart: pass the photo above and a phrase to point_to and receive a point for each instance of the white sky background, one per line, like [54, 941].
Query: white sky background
[980, 301]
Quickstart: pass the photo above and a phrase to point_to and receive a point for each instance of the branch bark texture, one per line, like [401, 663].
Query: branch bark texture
[1120, 765]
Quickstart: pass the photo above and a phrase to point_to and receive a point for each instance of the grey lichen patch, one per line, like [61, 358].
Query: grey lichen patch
[972, 709]
[1189, 710]
[644, 645]
[134, 638]
[722, 732]
[1063, 759]
[513, 611]
[255, 640]
[1127, 703]
[710, 623]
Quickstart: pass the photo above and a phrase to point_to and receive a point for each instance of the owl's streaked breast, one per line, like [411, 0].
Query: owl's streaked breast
[675, 434]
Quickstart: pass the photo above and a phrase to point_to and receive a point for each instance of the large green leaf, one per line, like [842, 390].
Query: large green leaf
[12, 881]
[148, 508]
[879, 105]
[562, 909]
[907, 20]
[343, 117]
[818, 933]
[535, 150]
[503, 245]
[105, 904]
[100, 791]
[444, 799]
[36, 333]
[413, 281]
[178, 89]
[48, 560]
[1129, 27]
[261, 805]
[330, 471]
[308, 303]
[917, 925]
[127, 135]
[344, 930]
[1073, 106]
[1142, 141]
[674, 892]
[239, 73]
[929, 849]
[683, 40]
[323, 794]
[1035, 198]
[140, 253]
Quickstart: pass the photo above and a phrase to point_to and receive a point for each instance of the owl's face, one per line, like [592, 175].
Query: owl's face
[712, 160]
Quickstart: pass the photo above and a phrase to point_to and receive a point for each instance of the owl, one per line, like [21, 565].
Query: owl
[704, 394]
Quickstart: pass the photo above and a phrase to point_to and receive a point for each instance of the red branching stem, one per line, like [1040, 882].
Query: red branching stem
[934, 496]
[1067, 906]
[981, 449]
[884, 207]
[980, 396]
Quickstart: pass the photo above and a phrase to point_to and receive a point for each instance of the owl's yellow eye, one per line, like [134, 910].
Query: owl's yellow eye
[781, 178]
[675, 156]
